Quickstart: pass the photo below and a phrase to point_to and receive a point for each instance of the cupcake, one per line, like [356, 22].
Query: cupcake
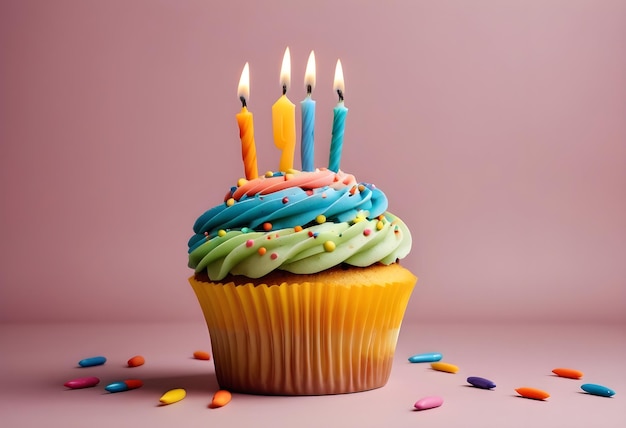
[298, 276]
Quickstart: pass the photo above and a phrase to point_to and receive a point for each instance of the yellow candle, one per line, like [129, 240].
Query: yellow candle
[246, 126]
[284, 118]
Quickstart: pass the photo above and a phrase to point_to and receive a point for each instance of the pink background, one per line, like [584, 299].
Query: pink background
[497, 129]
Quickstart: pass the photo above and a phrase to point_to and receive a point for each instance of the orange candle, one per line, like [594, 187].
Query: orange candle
[284, 118]
[246, 126]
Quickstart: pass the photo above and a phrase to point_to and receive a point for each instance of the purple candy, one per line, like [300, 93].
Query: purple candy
[480, 382]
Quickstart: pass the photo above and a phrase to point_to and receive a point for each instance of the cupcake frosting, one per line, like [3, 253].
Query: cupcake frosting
[300, 222]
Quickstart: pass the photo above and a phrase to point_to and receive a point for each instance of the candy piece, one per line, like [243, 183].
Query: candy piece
[444, 367]
[221, 398]
[201, 355]
[425, 358]
[428, 403]
[570, 373]
[480, 382]
[92, 361]
[82, 382]
[172, 396]
[594, 389]
[534, 393]
[136, 361]
[124, 385]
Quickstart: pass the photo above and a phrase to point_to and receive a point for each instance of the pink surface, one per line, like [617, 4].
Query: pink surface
[40, 358]
[496, 128]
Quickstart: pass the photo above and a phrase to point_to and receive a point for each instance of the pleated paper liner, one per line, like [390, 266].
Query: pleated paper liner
[303, 339]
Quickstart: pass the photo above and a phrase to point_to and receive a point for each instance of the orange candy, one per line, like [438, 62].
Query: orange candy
[534, 393]
[221, 398]
[569, 373]
[136, 361]
[201, 355]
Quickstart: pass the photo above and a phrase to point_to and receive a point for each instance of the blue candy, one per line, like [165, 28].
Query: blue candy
[116, 387]
[480, 382]
[93, 361]
[594, 389]
[425, 358]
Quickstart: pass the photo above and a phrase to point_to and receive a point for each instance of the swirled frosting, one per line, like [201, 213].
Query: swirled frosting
[300, 222]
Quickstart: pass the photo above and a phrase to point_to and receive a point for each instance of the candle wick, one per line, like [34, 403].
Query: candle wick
[243, 102]
[340, 95]
[309, 89]
[284, 89]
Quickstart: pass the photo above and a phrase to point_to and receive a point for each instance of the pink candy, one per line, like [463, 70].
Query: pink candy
[82, 382]
[428, 403]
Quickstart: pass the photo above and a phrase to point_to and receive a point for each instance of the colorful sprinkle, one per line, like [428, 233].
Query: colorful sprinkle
[201, 355]
[532, 393]
[249, 243]
[358, 218]
[241, 182]
[367, 232]
[136, 361]
[480, 382]
[569, 373]
[361, 187]
[220, 398]
[311, 234]
[329, 246]
[444, 367]
[221, 232]
[425, 358]
[285, 200]
[320, 219]
[173, 396]
[262, 251]
[274, 256]
[269, 174]
[324, 196]
[298, 228]
[92, 361]
[246, 230]
[267, 226]
[379, 225]
[428, 403]
[125, 385]
[353, 190]
[82, 382]
[595, 389]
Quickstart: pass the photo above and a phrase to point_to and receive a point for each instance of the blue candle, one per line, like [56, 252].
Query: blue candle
[307, 151]
[339, 122]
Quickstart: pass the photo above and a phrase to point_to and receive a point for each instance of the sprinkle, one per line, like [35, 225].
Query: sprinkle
[570, 373]
[201, 355]
[381, 217]
[274, 256]
[241, 182]
[249, 243]
[221, 398]
[311, 234]
[267, 226]
[262, 251]
[595, 389]
[361, 187]
[320, 218]
[533, 393]
[480, 382]
[269, 174]
[136, 361]
[82, 382]
[124, 385]
[298, 228]
[309, 192]
[92, 361]
[429, 357]
[444, 367]
[428, 403]
[367, 232]
[172, 396]
[221, 232]
[285, 200]
[230, 202]
[329, 246]
[246, 230]
[379, 225]
[359, 218]
[324, 195]
[353, 190]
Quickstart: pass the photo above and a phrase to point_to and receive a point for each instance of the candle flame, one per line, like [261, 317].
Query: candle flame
[339, 84]
[243, 91]
[285, 71]
[309, 75]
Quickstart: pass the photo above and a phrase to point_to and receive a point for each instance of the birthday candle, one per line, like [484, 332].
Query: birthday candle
[246, 126]
[339, 121]
[307, 150]
[284, 118]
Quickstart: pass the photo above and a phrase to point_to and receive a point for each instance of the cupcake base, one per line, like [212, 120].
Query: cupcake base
[328, 333]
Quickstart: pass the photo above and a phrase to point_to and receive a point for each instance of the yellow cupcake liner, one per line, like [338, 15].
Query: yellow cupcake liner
[303, 339]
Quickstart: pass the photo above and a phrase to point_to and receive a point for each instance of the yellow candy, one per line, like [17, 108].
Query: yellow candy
[221, 232]
[241, 182]
[444, 367]
[329, 246]
[172, 396]
[320, 218]
[230, 202]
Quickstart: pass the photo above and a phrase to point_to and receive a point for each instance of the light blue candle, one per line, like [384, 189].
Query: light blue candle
[307, 145]
[339, 122]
